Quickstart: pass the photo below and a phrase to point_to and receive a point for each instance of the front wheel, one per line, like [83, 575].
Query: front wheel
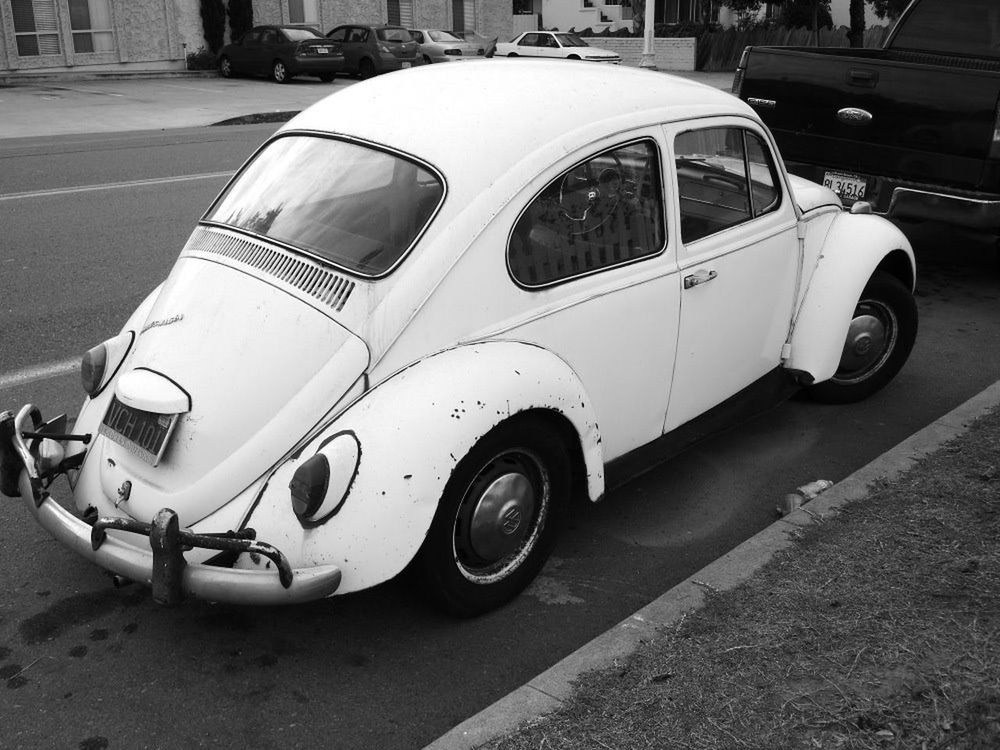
[279, 73]
[881, 335]
[497, 520]
[225, 67]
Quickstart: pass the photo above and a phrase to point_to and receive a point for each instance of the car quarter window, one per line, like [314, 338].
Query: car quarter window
[725, 176]
[602, 213]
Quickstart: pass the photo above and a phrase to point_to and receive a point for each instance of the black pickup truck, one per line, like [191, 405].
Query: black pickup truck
[912, 128]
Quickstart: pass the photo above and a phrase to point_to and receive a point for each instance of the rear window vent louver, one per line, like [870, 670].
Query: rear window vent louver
[307, 276]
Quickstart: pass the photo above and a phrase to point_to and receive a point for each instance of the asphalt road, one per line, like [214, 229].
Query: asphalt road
[89, 225]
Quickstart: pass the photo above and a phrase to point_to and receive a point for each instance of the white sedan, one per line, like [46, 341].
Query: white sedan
[383, 350]
[559, 44]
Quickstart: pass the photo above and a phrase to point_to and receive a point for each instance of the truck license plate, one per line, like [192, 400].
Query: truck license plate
[848, 187]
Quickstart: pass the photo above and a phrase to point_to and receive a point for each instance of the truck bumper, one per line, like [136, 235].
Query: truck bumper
[909, 201]
[162, 566]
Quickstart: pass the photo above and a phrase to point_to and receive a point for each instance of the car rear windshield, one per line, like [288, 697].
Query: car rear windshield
[443, 36]
[393, 35]
[571, 40]
[297, 35]
[353, 205]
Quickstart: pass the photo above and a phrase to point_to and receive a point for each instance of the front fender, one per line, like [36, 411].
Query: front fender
[411, 431]
[855, 247]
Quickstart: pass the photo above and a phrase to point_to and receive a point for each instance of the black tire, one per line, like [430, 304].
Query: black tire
[883, 329]
[573, 57]
[327, 77]
[279, 72]
[512, 54]
[366, 69]
[497, 520]
[226, 67]
[427, 60]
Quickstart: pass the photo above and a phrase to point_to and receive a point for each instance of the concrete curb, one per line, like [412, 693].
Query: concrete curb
[546, 692]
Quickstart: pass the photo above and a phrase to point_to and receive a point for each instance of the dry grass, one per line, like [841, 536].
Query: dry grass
[878, 629]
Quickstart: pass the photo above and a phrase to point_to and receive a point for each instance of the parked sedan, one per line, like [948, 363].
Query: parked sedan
[370, 50]
[282, 52]
[555, 44]
[481, 43]
[442, 46]
[385, 348]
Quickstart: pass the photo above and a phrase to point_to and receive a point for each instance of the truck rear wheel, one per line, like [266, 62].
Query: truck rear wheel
[879, 340]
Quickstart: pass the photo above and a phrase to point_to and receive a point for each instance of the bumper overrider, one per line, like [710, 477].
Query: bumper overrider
[27, 470]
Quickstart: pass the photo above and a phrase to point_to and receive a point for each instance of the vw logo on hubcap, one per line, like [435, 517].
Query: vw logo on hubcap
[511, 521]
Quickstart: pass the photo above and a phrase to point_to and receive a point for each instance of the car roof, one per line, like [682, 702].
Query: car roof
[532, 106]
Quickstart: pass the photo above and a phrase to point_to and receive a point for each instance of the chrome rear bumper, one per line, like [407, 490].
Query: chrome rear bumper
[162, 566]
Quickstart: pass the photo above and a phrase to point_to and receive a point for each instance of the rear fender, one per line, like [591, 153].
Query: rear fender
[410, 432]
[856, 246]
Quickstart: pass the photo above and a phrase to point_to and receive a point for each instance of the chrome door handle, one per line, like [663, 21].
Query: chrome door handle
[699, 277]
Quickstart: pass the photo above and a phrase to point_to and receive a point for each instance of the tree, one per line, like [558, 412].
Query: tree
[812, 14]
[213, 23]
[857, 33]
[639, 17]
[890, 8]
[240, 17]
[746, 11]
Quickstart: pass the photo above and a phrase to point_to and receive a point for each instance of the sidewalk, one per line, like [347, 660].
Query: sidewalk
[74, 106]
[612, 685]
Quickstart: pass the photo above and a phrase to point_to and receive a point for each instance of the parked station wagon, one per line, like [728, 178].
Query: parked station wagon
[383, 351]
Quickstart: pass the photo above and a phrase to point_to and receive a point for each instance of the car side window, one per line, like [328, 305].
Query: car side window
[530, 40]
[725, 176]
[602, 213]
[418, 36]
[338, 35]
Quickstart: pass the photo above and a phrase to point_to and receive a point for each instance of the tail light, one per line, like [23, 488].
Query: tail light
[321, 484]
[100, 364]
[740, 71]
[995, 145]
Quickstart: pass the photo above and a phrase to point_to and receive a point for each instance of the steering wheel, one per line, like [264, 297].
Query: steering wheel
[590, 193]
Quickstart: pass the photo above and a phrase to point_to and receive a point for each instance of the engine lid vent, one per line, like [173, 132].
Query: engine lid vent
[305, 275]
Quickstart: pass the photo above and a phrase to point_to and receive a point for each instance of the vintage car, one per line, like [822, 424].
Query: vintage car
[382, 352]
[555, 44]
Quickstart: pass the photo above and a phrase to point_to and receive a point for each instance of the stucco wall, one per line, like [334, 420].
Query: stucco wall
[492, 17]
[149, 35]
[673, 53]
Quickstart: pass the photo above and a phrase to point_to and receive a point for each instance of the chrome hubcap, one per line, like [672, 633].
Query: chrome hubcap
[870, 340]
[501, 517]
[499, 520]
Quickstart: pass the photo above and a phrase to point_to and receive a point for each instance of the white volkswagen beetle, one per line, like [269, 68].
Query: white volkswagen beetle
[393, 346]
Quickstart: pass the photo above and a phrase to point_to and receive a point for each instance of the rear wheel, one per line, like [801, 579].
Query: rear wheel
[512, 54]
[226, 67]
[279, 73]
[327, 77]
[497, 520]
[427, 60]
[573, 57]
[366, 69]
[881, 335]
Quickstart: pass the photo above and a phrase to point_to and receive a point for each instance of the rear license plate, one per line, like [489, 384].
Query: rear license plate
[142, 433]
[406, 65]
[848, 187]
[323, 50]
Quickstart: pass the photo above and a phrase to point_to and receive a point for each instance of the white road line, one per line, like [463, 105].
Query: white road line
[113, 186]
[39, 372]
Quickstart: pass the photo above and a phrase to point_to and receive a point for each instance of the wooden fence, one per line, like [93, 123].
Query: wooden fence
[721, 50]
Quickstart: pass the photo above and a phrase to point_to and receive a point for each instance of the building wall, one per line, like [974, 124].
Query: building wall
[492, 17]
[148, 35]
